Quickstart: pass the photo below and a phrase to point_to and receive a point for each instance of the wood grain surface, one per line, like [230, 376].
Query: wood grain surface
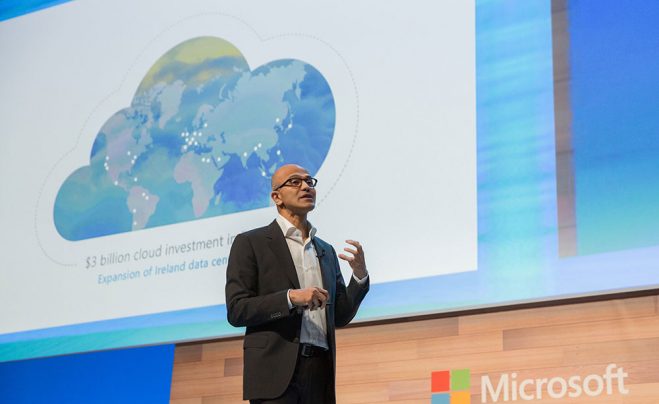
[392, 363]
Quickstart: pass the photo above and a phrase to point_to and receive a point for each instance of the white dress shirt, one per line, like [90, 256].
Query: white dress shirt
[307, 266]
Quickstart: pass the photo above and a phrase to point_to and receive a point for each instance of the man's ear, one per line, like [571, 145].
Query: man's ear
[276, 198]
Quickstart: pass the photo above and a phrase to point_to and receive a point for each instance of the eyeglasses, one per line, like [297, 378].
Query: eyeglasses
[296, 182]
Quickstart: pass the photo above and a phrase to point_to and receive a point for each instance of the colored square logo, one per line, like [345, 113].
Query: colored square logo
[460, 379]
[441, 398]
[440, 381]
[451, 387]
[460, 397]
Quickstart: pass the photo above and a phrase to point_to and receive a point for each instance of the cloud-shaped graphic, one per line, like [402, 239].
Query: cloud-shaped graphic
[201, 138]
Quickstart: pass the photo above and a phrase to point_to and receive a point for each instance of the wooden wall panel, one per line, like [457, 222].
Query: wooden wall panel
[556, 315]
[392, 363]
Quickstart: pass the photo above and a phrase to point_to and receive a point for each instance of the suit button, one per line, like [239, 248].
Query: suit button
[275, 315]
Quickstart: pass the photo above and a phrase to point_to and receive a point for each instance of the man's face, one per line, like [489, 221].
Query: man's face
[296, 194]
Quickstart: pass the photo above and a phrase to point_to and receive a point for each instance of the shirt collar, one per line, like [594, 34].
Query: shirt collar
[292, 232]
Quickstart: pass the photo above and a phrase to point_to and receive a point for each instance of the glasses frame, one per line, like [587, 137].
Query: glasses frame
[310, 181]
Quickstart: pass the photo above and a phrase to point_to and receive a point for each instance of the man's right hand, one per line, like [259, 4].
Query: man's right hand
[311, 298]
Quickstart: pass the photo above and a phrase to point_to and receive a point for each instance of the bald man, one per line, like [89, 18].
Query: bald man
[284, 284]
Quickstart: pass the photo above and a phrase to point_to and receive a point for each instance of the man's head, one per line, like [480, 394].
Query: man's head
[293, 189]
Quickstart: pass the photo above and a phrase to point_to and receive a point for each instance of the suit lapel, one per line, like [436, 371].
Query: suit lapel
[280, 249]
[326, 265]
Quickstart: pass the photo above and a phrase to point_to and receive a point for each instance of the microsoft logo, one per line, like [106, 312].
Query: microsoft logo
[451, 387]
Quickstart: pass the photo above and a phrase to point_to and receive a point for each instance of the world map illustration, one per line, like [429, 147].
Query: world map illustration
[202, 137]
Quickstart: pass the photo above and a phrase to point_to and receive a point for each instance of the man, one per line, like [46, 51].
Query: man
[284, 284]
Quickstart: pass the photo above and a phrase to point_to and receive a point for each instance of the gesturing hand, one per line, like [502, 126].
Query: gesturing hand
[311, 298]
[357, 261]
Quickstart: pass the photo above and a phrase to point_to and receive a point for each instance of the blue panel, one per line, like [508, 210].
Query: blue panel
[614, 90]
[204, 322]
[140, 375]
[14, 8]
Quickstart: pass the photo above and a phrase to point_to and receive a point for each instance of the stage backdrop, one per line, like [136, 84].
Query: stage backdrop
[486, 153]
[598, 352]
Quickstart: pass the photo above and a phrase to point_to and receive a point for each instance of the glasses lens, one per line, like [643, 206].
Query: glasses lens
[297, 182]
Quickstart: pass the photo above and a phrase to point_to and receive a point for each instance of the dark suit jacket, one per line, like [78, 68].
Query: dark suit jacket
[259, 273]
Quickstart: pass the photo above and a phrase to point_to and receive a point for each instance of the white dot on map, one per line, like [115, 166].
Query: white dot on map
[245, 154]
[278, 152]
[134, 210]
[219, 159]
[260, 145]
[255, 148]
[134, 223]
[107, 158]
[146, 197]
[205, 125]
[135, 179]
[290, 125]
[262, 173]
[128, 152]
[116, 183]
[277, 120]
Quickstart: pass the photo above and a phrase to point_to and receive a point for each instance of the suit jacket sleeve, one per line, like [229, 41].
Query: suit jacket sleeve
[348, 298]
[247, 305]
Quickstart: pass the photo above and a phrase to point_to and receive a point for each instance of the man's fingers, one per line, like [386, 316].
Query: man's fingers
[350, 250]
[318, 302]
[311, 298]
[355, 243]
[346, 258]
[320, 294]
[317, 298]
